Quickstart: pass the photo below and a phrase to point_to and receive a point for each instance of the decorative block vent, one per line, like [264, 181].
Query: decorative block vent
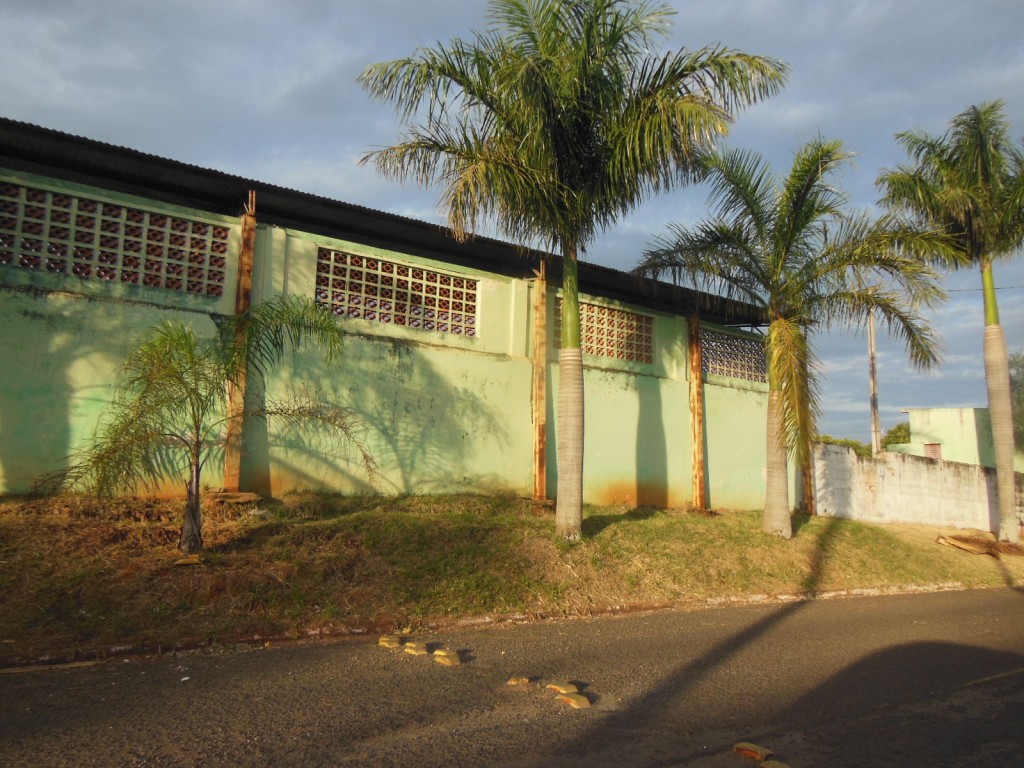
[385, 292]
[734, 356]
[615, 333]
[54, 232]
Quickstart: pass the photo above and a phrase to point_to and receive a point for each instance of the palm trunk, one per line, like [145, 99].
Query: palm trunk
[776, 519]
[191, 540]
[997, 381]
[569, 502]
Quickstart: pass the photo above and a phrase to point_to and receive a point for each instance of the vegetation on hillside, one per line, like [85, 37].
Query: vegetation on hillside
[80, 575]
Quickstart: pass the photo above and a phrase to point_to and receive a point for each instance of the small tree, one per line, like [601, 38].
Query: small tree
[169, 412]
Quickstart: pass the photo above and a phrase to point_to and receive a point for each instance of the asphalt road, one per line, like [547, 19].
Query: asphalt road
[911, 680]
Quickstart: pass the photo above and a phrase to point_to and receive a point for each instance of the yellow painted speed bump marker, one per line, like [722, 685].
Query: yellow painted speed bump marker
[416, 649]
[390, 641]
[563, 687]
[189, 560]
[447, 657]
[574, 700]
[753, 751]
[518, 681]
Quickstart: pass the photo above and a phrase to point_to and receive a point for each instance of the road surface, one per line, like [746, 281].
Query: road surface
[867, 682]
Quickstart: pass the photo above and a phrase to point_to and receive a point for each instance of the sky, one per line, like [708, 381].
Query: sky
[266, 89]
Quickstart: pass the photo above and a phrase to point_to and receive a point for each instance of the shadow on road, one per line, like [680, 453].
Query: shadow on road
[928, 703]
[1008, 577]
[617, 729]
[931, 699]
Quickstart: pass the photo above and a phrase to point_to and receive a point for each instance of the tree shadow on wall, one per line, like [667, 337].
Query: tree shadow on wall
[652, 475]
[422, 431]
[62, 354]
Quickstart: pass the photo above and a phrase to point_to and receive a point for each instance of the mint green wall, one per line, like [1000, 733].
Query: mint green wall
[638, 431]
[439, 412]
[64, 341]
[637, 438]
[965, 435]
[735, 414]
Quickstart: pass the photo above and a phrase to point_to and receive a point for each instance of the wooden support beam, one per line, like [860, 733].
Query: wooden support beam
[700, 476]
[236, 389]
[540, 383]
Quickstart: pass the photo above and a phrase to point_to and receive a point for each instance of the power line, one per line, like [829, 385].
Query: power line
[998, 288]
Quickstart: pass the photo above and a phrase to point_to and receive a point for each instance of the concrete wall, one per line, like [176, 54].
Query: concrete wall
[964, 434]
[736, 416]
[439, 412]
[899, 488]
[65, 339]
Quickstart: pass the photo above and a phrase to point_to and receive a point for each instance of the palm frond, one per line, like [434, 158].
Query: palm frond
[306, 414]
[558, 119]
[272, 327]
[792, 372]
[965, 183]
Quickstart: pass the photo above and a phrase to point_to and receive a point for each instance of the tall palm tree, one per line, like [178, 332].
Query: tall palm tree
[790, 247]
[970, 183]
[558, 120]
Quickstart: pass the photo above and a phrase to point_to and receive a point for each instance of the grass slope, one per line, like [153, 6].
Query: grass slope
[80, 577]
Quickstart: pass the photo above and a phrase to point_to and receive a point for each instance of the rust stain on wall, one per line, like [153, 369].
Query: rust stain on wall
[638, 495]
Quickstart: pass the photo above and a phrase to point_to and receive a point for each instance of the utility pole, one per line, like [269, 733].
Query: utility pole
[876, 427]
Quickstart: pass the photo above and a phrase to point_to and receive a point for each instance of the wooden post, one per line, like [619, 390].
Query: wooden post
[700, 476]
[540, 383]
[810, 497]
[236, 389]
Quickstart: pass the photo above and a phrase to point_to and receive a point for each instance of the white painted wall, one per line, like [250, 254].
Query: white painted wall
[899, 488]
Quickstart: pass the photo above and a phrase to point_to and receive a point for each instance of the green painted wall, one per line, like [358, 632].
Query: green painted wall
[735, 413]
[965, 435]
[65, 339]
[637, 449]
[62, 355]
[439, 412]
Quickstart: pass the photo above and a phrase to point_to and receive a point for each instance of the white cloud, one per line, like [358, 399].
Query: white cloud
[267, 89]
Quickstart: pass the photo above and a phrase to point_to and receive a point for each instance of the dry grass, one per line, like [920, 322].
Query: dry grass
[80, 577]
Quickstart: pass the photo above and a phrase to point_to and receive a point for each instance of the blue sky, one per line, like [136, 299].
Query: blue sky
[267, 90]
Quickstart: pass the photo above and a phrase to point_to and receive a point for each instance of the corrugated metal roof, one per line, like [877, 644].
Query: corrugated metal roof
[34, 149]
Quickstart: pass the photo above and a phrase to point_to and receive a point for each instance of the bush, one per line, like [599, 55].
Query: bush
[897, 435]
[858, 447]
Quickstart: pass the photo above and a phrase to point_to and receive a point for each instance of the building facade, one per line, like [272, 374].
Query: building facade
[450, 359]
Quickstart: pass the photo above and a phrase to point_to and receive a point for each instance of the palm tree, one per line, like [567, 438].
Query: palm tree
[557, 121]
[970, 184]
[790, 247]
[171, 406]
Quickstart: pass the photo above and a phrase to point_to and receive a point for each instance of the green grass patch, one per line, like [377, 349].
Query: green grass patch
[80, 576]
